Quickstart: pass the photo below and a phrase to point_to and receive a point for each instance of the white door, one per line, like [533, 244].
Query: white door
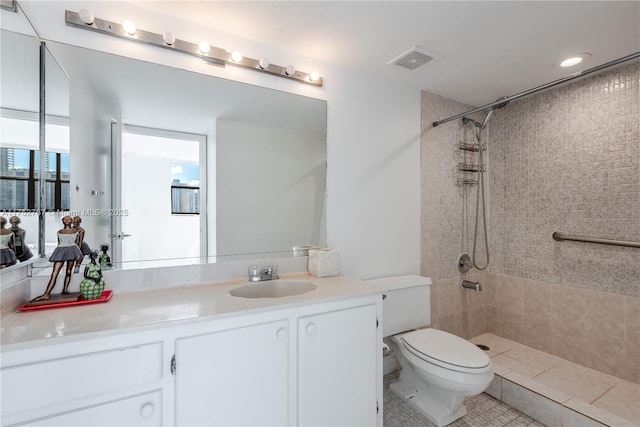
[160, 204]
[236, 377]
[337, 373]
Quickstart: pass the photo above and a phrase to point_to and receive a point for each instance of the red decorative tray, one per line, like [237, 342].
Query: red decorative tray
[106, 296]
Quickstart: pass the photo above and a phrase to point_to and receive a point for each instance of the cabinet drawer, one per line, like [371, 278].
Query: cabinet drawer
[141, 410]
[61, 380]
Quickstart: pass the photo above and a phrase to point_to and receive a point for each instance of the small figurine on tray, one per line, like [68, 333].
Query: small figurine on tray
[92, 286]
[105, 259]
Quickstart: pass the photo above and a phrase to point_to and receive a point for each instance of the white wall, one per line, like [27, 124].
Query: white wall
[373, 176]
[276, 213]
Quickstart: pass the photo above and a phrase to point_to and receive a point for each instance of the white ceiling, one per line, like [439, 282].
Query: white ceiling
[487, 49]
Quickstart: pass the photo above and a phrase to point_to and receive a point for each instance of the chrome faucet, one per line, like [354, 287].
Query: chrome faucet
[471, 285]
[268, 273]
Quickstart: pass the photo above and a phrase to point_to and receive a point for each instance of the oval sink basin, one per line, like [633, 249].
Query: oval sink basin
[273, 289]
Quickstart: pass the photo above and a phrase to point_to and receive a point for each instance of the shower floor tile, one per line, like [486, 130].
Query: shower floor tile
[599, 396]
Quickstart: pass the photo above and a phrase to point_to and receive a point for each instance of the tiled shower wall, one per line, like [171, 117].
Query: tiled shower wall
[567, 159]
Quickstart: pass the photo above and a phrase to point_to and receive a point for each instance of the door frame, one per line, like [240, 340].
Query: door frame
[117, 233]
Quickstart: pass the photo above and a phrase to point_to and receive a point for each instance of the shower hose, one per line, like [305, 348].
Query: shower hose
[480, 194]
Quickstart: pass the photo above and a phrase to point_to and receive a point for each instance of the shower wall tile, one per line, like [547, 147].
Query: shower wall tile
[509, 323]
[632, 339]
[604, 336]
[458, 310]
[474, 322]
[599, 330]
[569, 160]
[568, 317]
[536, 315]
[566, 159]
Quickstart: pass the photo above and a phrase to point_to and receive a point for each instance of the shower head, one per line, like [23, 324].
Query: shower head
[486, 118]
[495, 107]
[482, 125]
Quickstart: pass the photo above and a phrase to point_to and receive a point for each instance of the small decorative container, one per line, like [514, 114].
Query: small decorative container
[324, 262]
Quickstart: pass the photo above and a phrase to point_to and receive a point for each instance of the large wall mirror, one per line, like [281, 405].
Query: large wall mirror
[171, 167]
[34, 145]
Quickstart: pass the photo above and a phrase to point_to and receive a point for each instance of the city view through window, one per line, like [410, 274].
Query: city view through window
[20, 174]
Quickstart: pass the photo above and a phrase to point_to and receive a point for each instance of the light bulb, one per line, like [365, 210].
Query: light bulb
[204, 47]
[169, 38]
[264, 63]
[129, 27]
[314, 76]
[236, 56]
[290, 70]
[86, 16]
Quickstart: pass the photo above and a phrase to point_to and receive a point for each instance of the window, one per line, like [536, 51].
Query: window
[19, 174]
[185, 188]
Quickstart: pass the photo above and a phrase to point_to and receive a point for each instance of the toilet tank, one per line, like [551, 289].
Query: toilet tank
[407, 304]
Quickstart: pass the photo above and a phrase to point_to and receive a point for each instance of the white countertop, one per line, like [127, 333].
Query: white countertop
[157, 307]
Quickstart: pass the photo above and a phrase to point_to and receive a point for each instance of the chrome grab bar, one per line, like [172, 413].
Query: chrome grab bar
[560, 237]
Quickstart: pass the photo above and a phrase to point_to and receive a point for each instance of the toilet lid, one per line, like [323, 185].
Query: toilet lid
[445, 349]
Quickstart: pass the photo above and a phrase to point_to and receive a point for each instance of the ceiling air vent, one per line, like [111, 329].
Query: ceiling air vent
[413, 58]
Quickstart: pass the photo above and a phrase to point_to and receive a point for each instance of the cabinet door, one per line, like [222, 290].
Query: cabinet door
[233, 377]
[337, 368]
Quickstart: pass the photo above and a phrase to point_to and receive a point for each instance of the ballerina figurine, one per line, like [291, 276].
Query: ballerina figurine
[7, 247]
[67, 251]
[84, 247]
[20, 240]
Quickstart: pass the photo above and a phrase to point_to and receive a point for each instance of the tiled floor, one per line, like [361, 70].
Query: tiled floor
[551, 389]
[482, 411]
[600, 397]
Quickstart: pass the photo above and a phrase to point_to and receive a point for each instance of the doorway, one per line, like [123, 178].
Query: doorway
[159, 215]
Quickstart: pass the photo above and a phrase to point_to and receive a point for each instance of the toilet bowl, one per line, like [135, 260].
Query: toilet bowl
[439, 369]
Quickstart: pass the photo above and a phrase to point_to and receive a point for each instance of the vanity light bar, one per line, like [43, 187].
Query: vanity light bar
[215, 55]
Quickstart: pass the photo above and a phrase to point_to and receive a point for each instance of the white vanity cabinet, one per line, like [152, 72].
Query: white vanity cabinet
[234, 377]
[313, 366]
[83, 384]
[310, 363]
[337, 368]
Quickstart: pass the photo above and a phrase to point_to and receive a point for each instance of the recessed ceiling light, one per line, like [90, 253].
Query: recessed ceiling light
[575, 59]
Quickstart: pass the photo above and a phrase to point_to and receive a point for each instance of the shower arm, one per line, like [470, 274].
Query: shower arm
[497, 103]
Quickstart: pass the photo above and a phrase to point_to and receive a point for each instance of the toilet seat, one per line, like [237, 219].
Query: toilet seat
[446, 350]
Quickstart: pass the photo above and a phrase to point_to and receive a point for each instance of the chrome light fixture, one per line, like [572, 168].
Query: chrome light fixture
[214, 55]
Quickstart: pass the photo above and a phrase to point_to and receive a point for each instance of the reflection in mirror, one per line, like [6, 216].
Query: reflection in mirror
[21, 161]
[262, 163]
[162, 160]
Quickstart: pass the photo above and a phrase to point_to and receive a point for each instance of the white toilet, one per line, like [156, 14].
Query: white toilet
[439, 369]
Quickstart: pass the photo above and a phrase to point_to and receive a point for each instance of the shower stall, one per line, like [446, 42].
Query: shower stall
[561, 157]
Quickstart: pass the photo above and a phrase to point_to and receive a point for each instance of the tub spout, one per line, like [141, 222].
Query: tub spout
[471, 285]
